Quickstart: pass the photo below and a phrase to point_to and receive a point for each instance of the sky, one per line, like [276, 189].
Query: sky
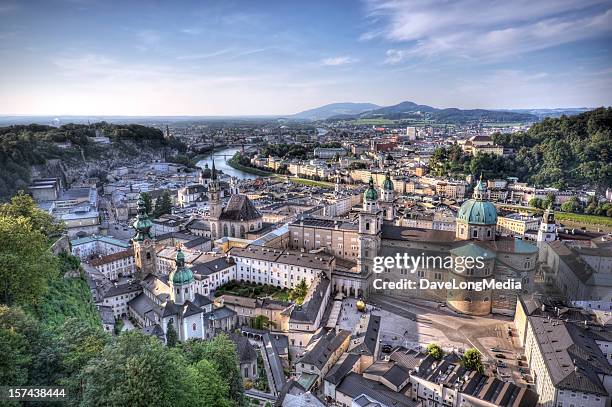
[105, 57]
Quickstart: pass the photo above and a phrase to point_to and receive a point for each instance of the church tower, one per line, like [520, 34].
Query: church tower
[143, 242]
[181, 281]
[548, 228]
[215, 208]
[388, 198]
[370, 224]
[233, 186]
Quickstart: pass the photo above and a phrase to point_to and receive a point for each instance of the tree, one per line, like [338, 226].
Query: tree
[26, 264]
[571, 205]
[148, 202]
[222, 352]
[138, 370]
[548, 201]
[299, 292]
[472, 360]
[261, 322]
[163, 205]
[535, 203]
[22, 205]
[171, 335]
[213, 389]
[435, 351]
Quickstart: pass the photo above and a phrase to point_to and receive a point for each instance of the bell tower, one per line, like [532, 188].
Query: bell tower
[215, 208]
[388, 198]
[143, 242]
[547, 232]
[370, 224]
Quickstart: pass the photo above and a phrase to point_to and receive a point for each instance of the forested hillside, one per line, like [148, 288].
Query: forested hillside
[21, 147]
[558, 152]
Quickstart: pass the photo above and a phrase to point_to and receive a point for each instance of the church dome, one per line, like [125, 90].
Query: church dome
[477, 210]
[388, 184]
[370, 193]
[182, 274]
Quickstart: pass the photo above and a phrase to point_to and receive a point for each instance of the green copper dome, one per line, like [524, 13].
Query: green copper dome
[142, 225]
[388, 184]
[370, 193]
[182, 274]
[477, 210]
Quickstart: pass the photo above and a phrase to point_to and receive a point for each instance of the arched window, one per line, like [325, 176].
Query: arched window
[194, 326]
[367, 225]
[148, 255]
[475, 233]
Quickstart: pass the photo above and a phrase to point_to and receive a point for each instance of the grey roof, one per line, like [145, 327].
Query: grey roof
[276, 365]
[189, 308]
[342, 368]
[121, 289]
[572, 357]
[397, 375]
[368, 339]
[222, 313]
[201, 300]
[211, 267]
[324, 348]
[354, 385]
[308, 311]
[244, 350]
[141, 304]
[239, 208]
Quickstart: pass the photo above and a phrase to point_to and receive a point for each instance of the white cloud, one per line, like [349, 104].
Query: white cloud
[483, 29]
[337, 61]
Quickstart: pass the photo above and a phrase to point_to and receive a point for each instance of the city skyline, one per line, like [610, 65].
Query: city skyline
[219, 58]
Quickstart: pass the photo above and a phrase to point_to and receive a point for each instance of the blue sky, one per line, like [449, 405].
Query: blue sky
[104, 57]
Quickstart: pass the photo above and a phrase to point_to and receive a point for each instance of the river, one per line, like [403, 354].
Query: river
[221, 163]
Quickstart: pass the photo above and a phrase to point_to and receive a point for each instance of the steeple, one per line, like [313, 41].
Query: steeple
[142, 224]
[480, 191]
[547, 231]
[181, 280]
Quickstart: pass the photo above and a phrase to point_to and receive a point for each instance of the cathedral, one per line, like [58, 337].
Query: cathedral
[237, 218]
[356, 245]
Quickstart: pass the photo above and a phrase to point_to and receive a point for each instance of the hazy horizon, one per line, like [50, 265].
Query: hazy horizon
[240, 59]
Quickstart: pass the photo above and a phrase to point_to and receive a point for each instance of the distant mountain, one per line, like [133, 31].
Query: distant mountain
[411, 110]
[334, 109]
[558, 112]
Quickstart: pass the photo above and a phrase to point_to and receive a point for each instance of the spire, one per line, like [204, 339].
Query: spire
[142, 224]
[214, 170]
[180, 258]
[480, 190]
[388, 184]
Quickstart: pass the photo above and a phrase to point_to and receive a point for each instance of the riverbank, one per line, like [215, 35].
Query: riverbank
[311, 183]
[250, 170]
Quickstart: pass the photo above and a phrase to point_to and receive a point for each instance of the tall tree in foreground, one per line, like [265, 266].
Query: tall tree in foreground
[138, 370]
[26, 264]
[220, 351]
